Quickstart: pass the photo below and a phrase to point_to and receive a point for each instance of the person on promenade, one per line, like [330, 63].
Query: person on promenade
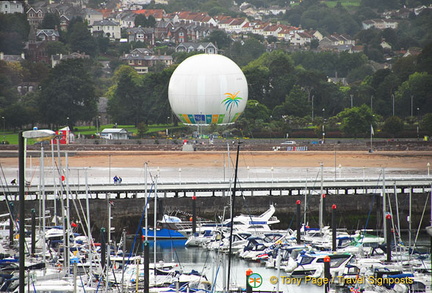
[116, 179]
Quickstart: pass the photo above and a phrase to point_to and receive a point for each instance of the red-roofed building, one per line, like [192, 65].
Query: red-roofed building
[158, 14]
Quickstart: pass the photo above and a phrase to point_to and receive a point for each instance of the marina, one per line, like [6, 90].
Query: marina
[284, 247]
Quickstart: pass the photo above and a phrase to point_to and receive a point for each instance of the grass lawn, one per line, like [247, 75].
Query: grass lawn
[345, 3]
[12, 138]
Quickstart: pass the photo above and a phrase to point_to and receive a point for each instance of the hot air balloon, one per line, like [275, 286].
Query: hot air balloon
[208, 89]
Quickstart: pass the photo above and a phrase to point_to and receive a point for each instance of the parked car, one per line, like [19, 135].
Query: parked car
[289, 142]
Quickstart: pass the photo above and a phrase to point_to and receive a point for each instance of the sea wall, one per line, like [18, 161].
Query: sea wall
[352, 211]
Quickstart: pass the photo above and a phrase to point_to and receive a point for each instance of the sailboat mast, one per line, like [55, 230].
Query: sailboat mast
[42, 186]
[321, 206]
[384, 204]
[90, 238]
[232, 217]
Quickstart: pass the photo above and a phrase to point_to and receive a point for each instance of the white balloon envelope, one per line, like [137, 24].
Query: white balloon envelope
[208, 89]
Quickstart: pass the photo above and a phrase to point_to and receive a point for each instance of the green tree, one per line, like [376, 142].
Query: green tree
[404, 67]
[356, 122]
[56, 47]
[68, 95]
[151, 21]
[50, 21]
[393, 125]
[14, 30]
[140, 20]
[34, 71]
[126, 105]
[256, 110]
[314, 44]
[296, 104]
[426, 124]
[81, 40]
[10, 76]
[220, 38]
[257, 77]
[415, 93]
[142, 129]
[424, 61]
[244, 52]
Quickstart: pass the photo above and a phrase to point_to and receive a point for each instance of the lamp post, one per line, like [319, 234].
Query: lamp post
[37, 135]
[393, 100]
[351, 96]
[428, 167]
[4, 129]
[323, 126]
[97, 125]
[418, 123]
[313, 96]
[412, 103]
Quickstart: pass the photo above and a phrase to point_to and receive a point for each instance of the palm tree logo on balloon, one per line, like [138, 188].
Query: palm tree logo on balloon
[231, 100]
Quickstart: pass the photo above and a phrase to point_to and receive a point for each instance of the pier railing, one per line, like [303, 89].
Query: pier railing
[247, 187]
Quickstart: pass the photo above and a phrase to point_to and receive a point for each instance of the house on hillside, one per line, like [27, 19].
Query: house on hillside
[208, 48]
[106, 28]
[337, 42]
[11, 7]
[301, 38]
[92, 15]
[380, 24]
[56, 59]
[141, 34]
[47, 35]
[142, 60]
[115, 133]
[35, 16]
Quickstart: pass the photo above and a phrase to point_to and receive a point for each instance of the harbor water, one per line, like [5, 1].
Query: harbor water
[214, 266]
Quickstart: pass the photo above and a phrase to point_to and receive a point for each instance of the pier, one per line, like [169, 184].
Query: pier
[359, 201]
[337, 186]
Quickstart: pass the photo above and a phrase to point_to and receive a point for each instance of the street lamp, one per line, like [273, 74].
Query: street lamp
[393, 99]
[418, 123]
[428, 166]
[97, 125]
[323, 126]
[4, 130]
[43, 134]
[313, 96]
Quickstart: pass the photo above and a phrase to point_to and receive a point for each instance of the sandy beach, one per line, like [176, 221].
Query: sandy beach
[173, 166]
[136, 159]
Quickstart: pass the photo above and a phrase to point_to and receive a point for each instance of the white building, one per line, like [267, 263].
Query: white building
[10, 7]
[115, 133]
[107, 28]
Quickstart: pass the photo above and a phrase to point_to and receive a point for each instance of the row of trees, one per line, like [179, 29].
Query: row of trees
[282, 90]
[285, 92]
